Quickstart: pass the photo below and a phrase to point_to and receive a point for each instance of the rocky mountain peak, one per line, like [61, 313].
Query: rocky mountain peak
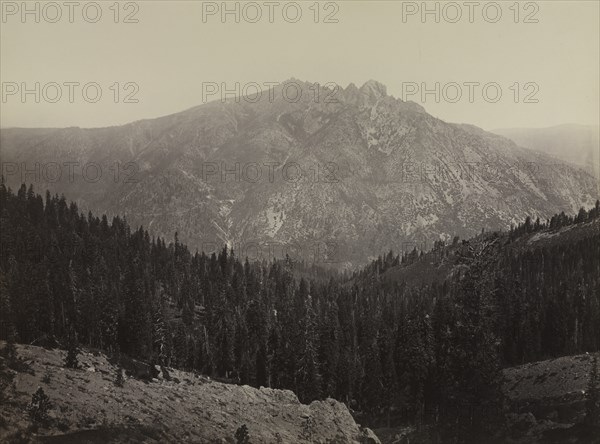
[374, 90]
[366, 95]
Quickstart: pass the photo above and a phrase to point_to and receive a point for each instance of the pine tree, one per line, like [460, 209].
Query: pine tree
[592, 396]
[10, 351]
[308, 371]
[119, 380]
[415, 357]
[372, 389]
[241, 435]
[72, 351]
[39, 406]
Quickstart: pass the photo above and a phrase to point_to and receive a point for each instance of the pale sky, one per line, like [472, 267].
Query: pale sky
[171, 51]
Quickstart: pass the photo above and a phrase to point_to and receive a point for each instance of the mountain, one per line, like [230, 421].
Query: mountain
[578, 144]
[336, 176]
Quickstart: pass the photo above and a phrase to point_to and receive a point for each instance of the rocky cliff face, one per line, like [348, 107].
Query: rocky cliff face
[332, 175]
[87, 406]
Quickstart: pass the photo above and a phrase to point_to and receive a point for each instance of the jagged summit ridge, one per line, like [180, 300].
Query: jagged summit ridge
[368, 95]
[374, 90]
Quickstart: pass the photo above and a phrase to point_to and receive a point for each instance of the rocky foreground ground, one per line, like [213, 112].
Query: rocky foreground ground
[87, 406]
[546, 400]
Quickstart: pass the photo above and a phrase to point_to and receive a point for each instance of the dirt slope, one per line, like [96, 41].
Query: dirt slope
[546, 397]
[88, 407]
[546, 404]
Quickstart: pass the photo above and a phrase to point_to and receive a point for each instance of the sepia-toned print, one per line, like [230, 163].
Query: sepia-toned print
[300, 222]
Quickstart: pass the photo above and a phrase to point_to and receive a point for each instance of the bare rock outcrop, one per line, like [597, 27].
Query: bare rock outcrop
[187, 407]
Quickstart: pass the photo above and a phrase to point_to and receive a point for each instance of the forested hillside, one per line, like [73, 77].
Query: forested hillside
[391, 345]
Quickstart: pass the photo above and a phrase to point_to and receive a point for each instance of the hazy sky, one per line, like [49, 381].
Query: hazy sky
[173, 49]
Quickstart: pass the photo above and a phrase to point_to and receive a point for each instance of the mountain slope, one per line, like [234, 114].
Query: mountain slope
[437, 265]
[334, 177]
[86, 405]
[578, 144]
[546, 403]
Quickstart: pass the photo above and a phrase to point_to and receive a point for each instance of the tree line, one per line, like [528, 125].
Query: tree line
[427, 353]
